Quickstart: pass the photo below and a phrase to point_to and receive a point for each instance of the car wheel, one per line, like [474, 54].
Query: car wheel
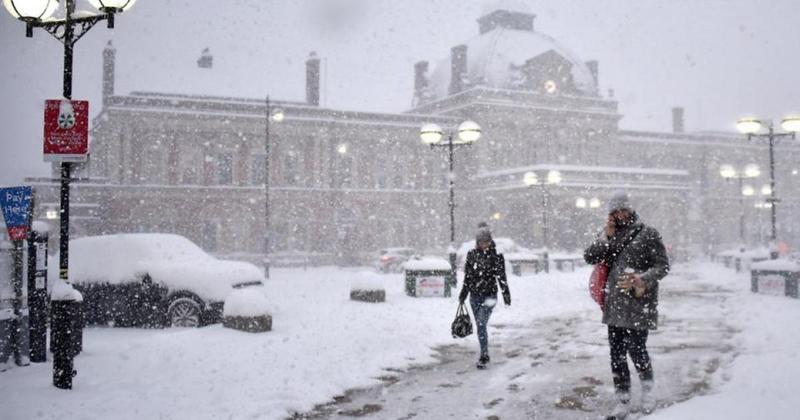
[184, 312]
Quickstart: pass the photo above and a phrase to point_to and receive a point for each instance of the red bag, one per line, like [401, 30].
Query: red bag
[597, 284]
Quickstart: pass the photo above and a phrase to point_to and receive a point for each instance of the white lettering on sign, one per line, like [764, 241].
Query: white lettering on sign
[772, 284]
[430, 286]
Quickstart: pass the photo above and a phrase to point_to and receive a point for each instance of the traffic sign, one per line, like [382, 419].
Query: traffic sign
[16, 204]
[66, 130]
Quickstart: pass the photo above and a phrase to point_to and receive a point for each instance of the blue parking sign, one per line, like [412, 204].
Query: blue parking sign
[16, 204]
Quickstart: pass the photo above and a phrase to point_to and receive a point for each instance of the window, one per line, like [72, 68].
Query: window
[225, 168]
[290, 165]
[257, 169]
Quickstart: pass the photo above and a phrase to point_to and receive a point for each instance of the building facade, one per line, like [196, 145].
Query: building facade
[344, 183]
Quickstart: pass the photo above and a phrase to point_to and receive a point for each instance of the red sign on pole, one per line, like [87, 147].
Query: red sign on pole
[66, 130]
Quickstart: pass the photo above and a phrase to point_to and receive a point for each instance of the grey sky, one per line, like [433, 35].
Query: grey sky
[719, 59]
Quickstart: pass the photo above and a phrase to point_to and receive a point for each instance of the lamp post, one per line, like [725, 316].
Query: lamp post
[551, 178]
[431, 134]
[751, 127]
[277, 116]
[729, 172]
[586, 206]
[67, 29]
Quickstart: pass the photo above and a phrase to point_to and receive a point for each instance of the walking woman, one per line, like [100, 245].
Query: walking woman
[484, 269]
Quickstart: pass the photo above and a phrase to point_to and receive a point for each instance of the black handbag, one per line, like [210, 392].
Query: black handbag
[462, 325]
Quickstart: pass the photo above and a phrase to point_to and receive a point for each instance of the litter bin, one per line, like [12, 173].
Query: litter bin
[776, 277]
[428, 277]
[524, 264]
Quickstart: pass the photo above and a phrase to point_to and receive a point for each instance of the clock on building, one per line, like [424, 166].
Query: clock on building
[550, 86]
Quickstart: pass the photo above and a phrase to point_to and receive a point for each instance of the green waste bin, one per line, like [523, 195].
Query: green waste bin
[428, 277]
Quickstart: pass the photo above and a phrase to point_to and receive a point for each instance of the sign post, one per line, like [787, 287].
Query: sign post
[16, 207]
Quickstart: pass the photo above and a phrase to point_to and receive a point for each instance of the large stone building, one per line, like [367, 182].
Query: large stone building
[344, 183]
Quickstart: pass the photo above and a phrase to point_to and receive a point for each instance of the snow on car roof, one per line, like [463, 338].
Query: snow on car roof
[170, 260]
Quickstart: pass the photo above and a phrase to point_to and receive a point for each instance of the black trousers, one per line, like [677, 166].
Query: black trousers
[625, 341]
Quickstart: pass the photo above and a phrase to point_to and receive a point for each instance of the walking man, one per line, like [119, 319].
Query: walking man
[637, 260]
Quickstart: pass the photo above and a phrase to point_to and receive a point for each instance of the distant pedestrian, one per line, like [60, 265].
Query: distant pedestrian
[637, 260]
[484, 269]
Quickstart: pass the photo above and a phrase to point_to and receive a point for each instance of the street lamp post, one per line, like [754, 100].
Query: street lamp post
[751, 127]
[552, 177]
[431, 134]
[68, 30]
[729, 172]
[277, 116]
[586, 205]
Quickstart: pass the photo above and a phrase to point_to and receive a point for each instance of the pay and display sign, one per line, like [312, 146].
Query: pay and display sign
[16, 204]
[66, 130]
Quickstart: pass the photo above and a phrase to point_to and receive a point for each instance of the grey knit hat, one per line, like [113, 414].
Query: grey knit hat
[483, 234]
[619, 201]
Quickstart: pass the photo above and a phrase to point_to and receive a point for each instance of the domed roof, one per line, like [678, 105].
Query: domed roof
[498, 57]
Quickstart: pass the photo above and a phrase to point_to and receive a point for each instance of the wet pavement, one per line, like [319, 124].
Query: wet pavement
[556, 368]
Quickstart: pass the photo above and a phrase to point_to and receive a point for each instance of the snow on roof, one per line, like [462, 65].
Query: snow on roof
[490, 58]
[776, 265]
[171, 260]
[582, 168]
[510, 5]
[427, 263]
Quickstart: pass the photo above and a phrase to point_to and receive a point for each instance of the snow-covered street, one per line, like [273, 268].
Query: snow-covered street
[397, 359]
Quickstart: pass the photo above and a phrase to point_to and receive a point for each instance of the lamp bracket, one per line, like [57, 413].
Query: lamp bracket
[57, 28]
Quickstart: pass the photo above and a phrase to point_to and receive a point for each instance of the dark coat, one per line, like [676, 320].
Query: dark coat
[646, 255]
[483, 271]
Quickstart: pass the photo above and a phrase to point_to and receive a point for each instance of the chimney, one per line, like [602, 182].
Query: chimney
[420, 82]
[593, 66]
[458, 68]
[206, 60]
[312, 79]
[109, 57]
[677, 119]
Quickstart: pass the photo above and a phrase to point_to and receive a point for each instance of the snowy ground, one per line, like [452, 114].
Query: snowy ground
[721, 352]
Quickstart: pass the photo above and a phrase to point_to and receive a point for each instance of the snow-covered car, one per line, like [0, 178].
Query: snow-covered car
[153, 279]
[391, 260]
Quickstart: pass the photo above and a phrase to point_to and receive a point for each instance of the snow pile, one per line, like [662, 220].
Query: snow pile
[64, 291]
[427, 264]
[247, 302]
[366, 280]
[40, 226]
[171, 260]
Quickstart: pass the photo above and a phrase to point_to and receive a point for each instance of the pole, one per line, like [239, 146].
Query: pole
[16, 326]
[452, 211]
[772, 199]
[65, 328]
[266, 192]
[545, 232]
[741, 211]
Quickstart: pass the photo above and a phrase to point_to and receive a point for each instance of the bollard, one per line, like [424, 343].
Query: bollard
[65, 315]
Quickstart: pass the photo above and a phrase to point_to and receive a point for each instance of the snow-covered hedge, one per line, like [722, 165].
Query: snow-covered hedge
[367, 287]
[248, 310]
